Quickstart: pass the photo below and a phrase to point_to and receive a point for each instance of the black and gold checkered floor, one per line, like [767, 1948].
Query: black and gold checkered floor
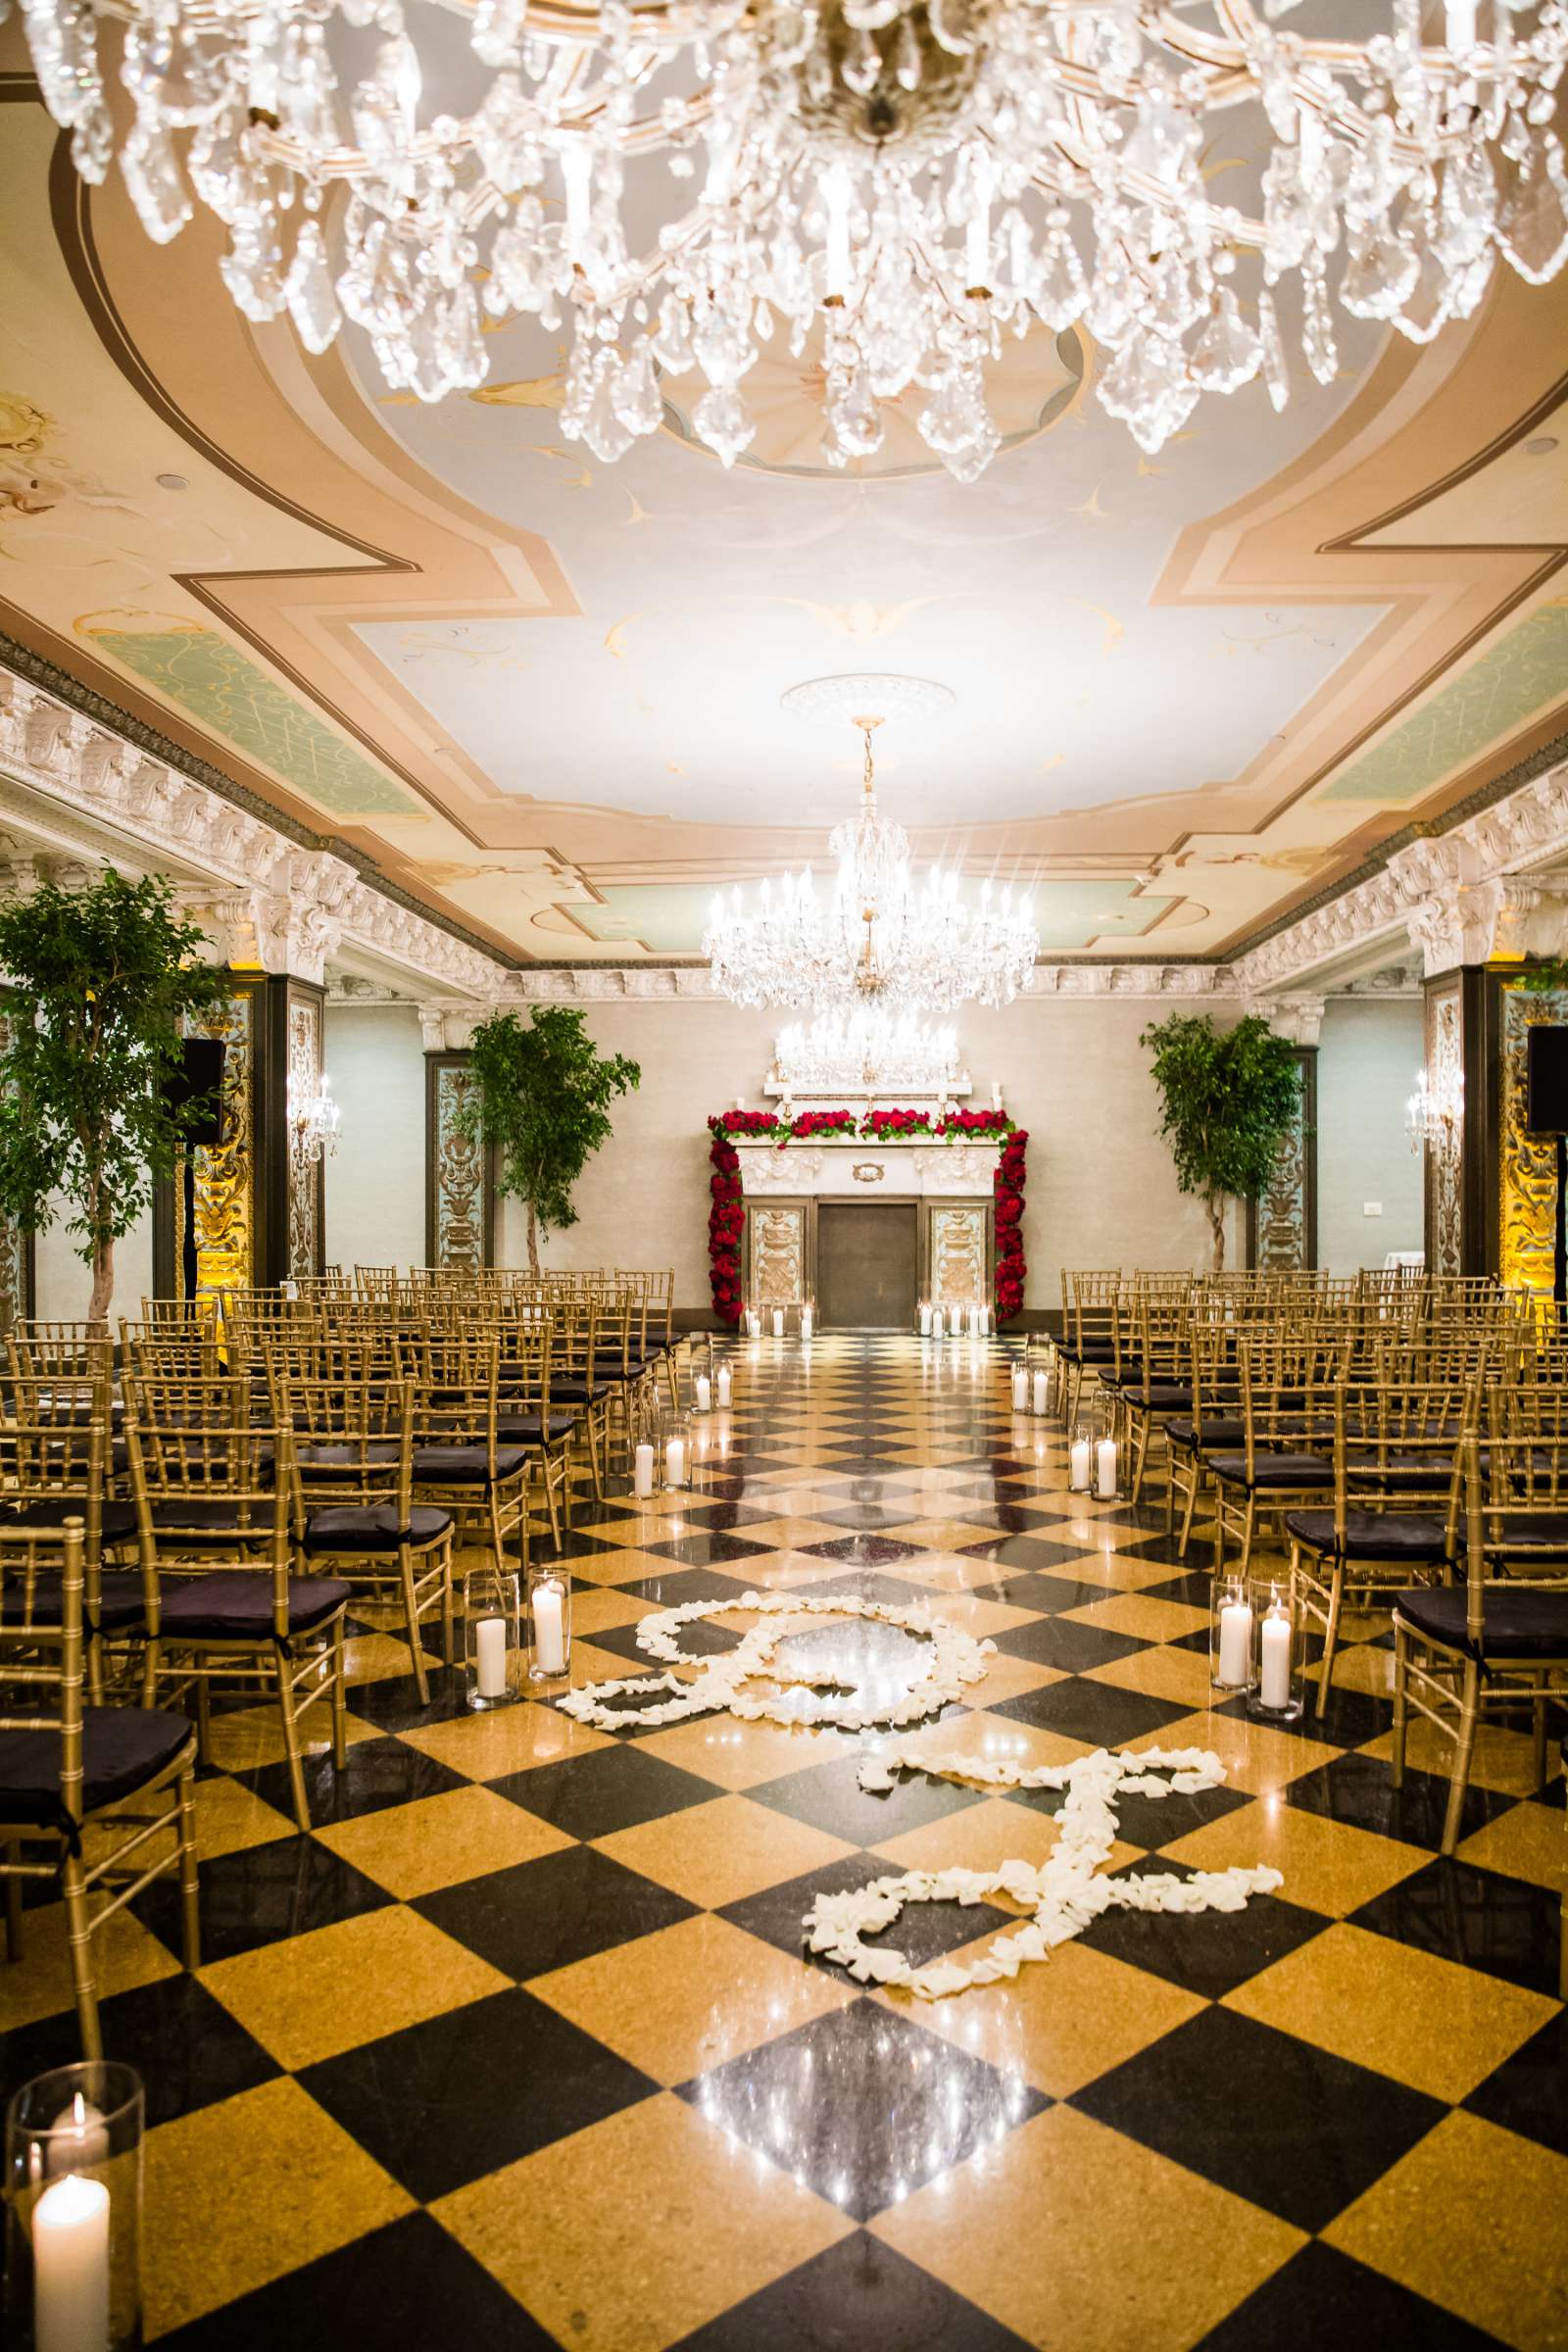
[519, 2048]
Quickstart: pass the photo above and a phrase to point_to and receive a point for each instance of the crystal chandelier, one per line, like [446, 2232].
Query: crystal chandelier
[903, 181]
[876, 934]
[873, 1048]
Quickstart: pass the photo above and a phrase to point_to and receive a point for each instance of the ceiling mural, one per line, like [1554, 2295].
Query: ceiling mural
[543, 694]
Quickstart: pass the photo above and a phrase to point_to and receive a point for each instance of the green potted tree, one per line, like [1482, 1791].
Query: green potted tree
[540, 1098]
[100, 981]
[1228, 1098]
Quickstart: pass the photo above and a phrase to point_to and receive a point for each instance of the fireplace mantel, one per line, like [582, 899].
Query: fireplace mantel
[860, 1171]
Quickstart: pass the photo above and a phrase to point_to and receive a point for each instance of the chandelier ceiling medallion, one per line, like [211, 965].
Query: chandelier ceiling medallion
[905, 179]
[875, 935]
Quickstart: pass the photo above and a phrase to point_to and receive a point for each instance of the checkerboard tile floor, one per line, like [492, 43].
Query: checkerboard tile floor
[521, 2043]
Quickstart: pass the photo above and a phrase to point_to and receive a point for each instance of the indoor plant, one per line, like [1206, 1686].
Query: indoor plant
[101, 981]
[541, 1096]
[1228, 1097]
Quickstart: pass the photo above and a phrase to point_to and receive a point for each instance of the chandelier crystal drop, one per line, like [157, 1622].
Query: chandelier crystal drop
[902, 183]
[877, 1048]
[875, 934]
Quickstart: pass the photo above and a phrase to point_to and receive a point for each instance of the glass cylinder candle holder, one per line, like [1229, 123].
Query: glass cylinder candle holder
[702, 1386]
[1080, 1460]
[1108, 1467]
[74, 2218]
[1230, 1635]
[1022, 1383]
[807, 1319]
[1041, 1391]
[492, 1622]
[925, 1318]
[725, 1385]
[1276, 1693]
[776, 1326]
[674, 1455]
[549, 1622]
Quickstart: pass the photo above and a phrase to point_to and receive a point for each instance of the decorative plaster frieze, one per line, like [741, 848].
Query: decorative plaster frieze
[286, 907]
[1459, 897]
[1298, 1020]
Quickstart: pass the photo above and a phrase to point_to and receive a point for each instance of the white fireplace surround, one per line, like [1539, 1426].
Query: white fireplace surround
[864, 1170]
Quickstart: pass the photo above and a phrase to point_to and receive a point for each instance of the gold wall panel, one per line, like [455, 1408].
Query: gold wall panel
[1444, 1163]
[305, 1170]
[777, 1253]
[457, 1175]
[958, 1256]
[225, 1172]
[1527, 1187]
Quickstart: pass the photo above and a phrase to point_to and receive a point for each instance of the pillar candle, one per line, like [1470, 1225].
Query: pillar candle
[1105, 1469]
[778, 1322]
[1235, 1644]
[643, 1473]
[723, 1386]
[71, 2267]
[490, 1638]
[1274, 1672]
[704, 1391]
[955, 1320]
[1042, 1393]
[550, 1628]
[676, 1463]
[1020, 1388]
[925, 1319]
[995, 1098]
[1078, 1466]
[807, 1320]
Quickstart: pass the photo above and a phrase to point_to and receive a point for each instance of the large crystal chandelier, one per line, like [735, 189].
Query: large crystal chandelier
[902, 182]
[875, 933]
[876, 1048]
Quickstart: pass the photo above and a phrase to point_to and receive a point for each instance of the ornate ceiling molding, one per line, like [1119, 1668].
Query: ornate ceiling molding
[265, 899]
[1459, 897]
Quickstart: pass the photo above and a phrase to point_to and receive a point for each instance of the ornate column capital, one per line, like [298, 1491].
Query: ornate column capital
[1296, 1017]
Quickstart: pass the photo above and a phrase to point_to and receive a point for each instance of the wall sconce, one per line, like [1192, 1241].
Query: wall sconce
[313, 1120]
[1433, 1113]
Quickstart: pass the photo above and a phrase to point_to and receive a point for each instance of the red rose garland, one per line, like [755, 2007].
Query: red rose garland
[726, 1217]
[1008, 1186]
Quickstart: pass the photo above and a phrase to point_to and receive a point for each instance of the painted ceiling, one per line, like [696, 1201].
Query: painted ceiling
[543, 694]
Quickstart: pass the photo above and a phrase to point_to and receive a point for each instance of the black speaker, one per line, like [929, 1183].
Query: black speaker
[1547, 1080]
[198, 1081]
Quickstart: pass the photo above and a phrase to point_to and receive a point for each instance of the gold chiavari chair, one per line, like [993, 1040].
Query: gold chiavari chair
[202, 1478]
[1284, 1458]
[212, 1623]
[54, 1471]
[576, 1381]
[529, 1415]
[355, 1516]
[1088, 1307]
[1159, 1388]
[1396, 1507]
[1215, 1420]
[1499, 1639]
[65, 1768]
[460, 1462]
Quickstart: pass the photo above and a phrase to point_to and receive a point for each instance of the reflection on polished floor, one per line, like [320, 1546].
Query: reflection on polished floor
[519, 2045]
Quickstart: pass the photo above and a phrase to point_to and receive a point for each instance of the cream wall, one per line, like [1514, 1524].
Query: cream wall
[1100, 1191]
[375, 1179]
[63, 1282]
[1369, 1051]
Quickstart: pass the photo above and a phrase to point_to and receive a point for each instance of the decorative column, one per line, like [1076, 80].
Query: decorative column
[17, 1254]
[1488, 1202]
[260, 1194]
[460, 1191]
[1282, 1222]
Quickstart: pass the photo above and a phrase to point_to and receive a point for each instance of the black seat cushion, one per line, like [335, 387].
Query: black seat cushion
[1164, 1397]
[235, 1605]
[527, 1429]
[580, 1392]
[1273, 1469]
[357, 1526]
[1519, 1624]
[1535, 1535]
[123, 1749]
[222, 1517]
[28, 1518]
[328, 1461]
[1218, 1430]
[467, 1465]
[1373, 1534]
[120, 1601]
